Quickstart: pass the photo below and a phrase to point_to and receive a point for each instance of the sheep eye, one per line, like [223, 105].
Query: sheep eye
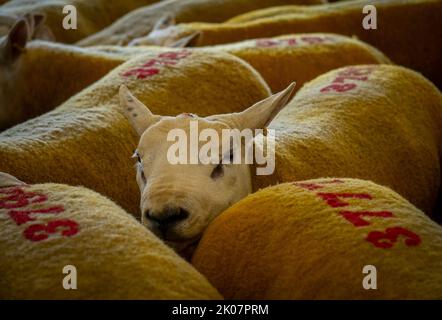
[217, 172]
[137, 156]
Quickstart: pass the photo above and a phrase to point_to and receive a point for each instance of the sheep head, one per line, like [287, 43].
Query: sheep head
[166, 34]
[180, 197]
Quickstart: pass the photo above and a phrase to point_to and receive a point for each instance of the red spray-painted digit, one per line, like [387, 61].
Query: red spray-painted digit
[17, 198]
[316, 185]
[334, 199]
[387, 239]
[338, 87]
[23, 216]
[355, 217]
[39, 232]
[178, 55]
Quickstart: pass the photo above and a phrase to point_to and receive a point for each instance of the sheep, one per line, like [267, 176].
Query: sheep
[87, 20]
[140, 22]
[87, 141]
[373, 122]
[394, 36]
[301, 57]
[60, 70]
[35, 23]
[47, 229]
[322, 239]
[44, 74]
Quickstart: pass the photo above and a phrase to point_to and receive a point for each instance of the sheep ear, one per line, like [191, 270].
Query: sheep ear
[136, 112]
[164, 22]
[6, 180]
[39, 29]
[15, 41]
[187, 41]
[260, 114]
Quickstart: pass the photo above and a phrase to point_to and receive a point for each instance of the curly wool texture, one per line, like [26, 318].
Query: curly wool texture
[286, 242]
[141, 21]
[301, 57]
[411, 26]
[115, 256]
[87, 141]
[87, 13]
[375, 122]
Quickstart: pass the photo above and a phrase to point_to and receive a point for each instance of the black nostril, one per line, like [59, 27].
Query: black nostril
[168, 216]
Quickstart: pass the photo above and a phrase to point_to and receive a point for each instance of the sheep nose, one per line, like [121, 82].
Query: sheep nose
[166, 218]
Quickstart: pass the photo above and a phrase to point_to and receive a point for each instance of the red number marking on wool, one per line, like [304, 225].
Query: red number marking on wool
[151, 67]
[355, 217]
[39, 232]
[13, 198]
[340, 83]
[292, 42]
[384, 240]
[23, 216]
[387, 239]
[334, 201]
[317, 185]
[16, 197]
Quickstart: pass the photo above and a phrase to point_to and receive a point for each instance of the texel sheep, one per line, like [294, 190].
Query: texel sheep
[323, 239]
[87, 141]
[36, 76]
[140, 22]
[61, 70]
[411, 26]
[46, 229]
[374, 122]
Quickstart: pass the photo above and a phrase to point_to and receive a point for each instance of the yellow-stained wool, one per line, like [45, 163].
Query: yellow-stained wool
[301, 57]
[59, 70]
[115, 256]
[312, 239]
[92, 15]
[140, 22]
[376, 122]
[45, 75]
[408, 31]
[87, 141]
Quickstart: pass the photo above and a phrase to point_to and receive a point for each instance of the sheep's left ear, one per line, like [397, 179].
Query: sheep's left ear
[187, 41]
[6, 180]
[15, 42]
[139, 116]
[260, 114]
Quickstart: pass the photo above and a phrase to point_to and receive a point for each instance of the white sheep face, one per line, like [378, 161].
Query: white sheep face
[188, 196]
[179, 200]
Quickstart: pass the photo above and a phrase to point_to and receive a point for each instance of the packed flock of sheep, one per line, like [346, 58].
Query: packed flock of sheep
[358, 148]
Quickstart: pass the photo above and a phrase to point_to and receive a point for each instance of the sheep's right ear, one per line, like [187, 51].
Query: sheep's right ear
[15, 41]
[139, 116]
[6, 180]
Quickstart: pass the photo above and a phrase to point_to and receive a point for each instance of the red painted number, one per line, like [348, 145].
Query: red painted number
[333, 199]
[387, 239]
[355, 217]
[39, 232]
